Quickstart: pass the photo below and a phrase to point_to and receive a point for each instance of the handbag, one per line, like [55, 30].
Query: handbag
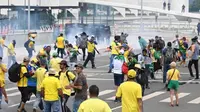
[166, 86]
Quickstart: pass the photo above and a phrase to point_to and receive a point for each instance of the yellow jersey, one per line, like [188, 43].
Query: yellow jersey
[23, 81]
[51, 85]
[54, 63]
[94, 105]
[175, 76]
[130, 92]
[2, 75]
[40, 74]
[60, 42]
[11, 50]
[64, 81]
[90, 47]
[115, 50]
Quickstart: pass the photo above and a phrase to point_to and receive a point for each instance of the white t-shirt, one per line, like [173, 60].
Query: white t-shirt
[117, 66]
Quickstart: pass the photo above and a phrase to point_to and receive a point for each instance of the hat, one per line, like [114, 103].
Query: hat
[173, 64]
[52, 71]
[34, 60]
[64, 62]
[138, 66]
[26, 59]
[55, 54]
[131, 73]
[79, 65]
[194, 39]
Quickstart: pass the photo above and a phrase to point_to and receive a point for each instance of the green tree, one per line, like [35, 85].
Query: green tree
[195, 6]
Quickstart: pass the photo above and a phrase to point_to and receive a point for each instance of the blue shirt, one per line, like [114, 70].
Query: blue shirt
[32, 81]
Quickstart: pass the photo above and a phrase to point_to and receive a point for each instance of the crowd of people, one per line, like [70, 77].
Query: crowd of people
[54, 77]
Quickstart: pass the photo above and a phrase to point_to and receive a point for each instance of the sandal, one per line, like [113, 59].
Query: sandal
[171, 105]
[177, 105]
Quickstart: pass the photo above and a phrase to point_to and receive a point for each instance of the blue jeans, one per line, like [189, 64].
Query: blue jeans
[111, 61]
[166, 68]
[54, 105]
[30, 52]
[11, 60]
[0, 95]
[76, 104]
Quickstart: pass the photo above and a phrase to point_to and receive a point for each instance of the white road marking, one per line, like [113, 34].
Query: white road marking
[149, 96]
[195, 101]
[105, 92]
[181, 95]
[14, 105]
[14, 94]
[11, 89]
[99, 79]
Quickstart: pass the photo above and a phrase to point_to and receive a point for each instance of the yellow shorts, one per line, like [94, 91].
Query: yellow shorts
[2, 83]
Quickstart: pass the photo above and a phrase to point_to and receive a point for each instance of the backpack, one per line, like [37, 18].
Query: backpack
[27, 43]
[66, 75]
[14, 72]
[169, 55]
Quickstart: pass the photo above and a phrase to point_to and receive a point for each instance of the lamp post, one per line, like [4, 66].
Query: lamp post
[141, 17]
[29, 16]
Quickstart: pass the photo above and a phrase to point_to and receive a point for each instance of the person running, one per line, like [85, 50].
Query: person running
[142, 42]
[2, 45]
[91, 49]
[94, 104]
[131, 94]
[173, 76]
[42, 56]
[60, 44]
[3, 70]
[65, 77]
[11, 53]
[83, 43]
[164, 5]
[118, 61]
[114, 51]
[194, 58]
[40, 74]
[169, 56]
[169, 6]
[73, 56]
[30, 45]
[50, 91]
[54, 62]
[23, 83]
[183, 46]
[80, 86]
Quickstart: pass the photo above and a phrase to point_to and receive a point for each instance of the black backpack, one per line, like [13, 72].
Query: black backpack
[14, 72]
[169, 55]
[27, 43]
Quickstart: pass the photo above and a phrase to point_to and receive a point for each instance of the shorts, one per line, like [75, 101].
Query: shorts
[118, 79]
[2, 83]
[173, 84]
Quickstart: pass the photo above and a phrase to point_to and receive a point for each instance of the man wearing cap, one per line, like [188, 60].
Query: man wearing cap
[65, 78]
[54, 62]
[30, 44]
[23, 83]
[194, 58]
[50, 91]
[80, 86]
[11, 53]
[131, 94]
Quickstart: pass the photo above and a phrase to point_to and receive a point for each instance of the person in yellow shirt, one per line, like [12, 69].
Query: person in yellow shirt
[11, 53]
[23, 83]
[131, 94]
[30, 43]
[94, 104]
[60, 44]
[2, 45]
[114, 51]
[3, 70]
[40, 74]
[50, 91]
[91, 49]
[65, 78]
[54, 62]
[173, 76]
